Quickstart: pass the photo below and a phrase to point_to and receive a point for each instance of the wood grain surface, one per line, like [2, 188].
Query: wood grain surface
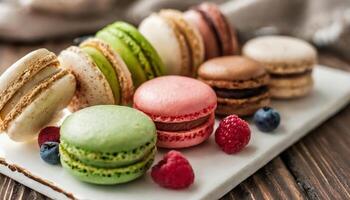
[316, 167]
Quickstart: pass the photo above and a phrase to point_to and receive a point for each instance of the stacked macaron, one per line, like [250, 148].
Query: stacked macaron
[288, 60]
[120, 58]
[102, 76]
[219, 37]
[110, 66]
[240, 83]
[139, 55]
[178, 42]
[32, 91]
[107, 144]
[182, 109]
[185, 40]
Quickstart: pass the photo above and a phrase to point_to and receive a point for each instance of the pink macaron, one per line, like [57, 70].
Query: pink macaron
[219, 36]
[182, 109]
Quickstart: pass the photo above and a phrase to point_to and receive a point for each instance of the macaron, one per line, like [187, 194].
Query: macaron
[102, 76]
[220, 38]
[241, 84]
[139, 55]
[32, 91]
[288, 60]
[181, 107]
[178, 42]
[107, 144]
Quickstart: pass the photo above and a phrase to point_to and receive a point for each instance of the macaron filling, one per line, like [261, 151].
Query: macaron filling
[291, 75]
[107, 70]
[109, 159]
[183, 139]
[105, 176]
[36, 80]
[240, 93]
[182, 126]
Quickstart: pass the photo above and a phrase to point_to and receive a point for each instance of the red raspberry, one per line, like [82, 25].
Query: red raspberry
[49, 134]
[174, 171]
[233, 134]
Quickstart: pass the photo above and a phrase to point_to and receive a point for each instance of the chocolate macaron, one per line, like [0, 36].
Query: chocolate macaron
[241, 84]
[288, 60]
[219, 37]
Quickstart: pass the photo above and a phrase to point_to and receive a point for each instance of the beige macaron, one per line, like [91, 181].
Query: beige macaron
[94, 87]
[178, 42]
[33, 90]
[289, 61]
[241, 84]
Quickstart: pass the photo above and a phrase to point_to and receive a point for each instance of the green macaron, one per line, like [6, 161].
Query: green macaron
[107, 144]
[106, 68]
[101, 74]
[139, 55]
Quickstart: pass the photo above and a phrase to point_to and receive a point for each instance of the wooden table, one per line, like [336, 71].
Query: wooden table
[317, 167]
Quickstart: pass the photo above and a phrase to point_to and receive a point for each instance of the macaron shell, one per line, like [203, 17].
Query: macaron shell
[235, 40]
[290, 68]
[183, 139]
[242, 107]
[169, 44]
[93, 88]
[186, 59]
[191, 35]
[108, 129]
[231, 68]
[149, 51]
[22, 71]
[222, 27]
[281, 54]
[291, 87]
[121, 70]
[130, 51]
[107, 70]
[294, 82]
[105, 176]
[287, 93]
[42, 108]
[109, 160]
[208, 37]
[175, 99]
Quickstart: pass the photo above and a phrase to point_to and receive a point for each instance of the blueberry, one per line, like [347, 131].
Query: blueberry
[49, 152]
[267, 119]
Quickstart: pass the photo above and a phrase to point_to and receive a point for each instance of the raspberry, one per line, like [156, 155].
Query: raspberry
[233, 134]
[49, 134]
[174, 171]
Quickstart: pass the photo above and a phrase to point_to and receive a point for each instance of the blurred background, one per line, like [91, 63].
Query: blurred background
[325, 23]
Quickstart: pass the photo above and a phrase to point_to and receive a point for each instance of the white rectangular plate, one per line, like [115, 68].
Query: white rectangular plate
[216, 172]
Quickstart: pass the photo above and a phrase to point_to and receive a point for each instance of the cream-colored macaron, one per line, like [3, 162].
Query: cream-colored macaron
[102, 76]
[288, 60]
[32, 91]
[178, 42]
